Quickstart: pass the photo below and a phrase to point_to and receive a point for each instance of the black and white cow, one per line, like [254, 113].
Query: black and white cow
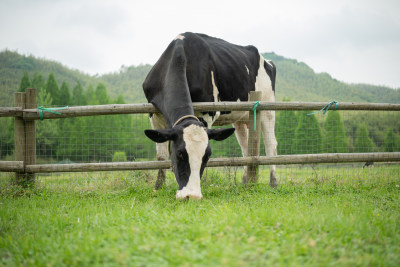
[199, 68]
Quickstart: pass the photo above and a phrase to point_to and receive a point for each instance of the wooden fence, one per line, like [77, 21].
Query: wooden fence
[26, 113]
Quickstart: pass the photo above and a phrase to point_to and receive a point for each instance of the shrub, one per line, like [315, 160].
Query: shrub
[119, 156]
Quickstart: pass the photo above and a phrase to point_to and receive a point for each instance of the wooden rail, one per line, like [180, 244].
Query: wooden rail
[11, 112]
[11, 166]
[213, 162]
[115, 109]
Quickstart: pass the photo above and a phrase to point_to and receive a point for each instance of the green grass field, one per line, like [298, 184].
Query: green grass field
[318, 217]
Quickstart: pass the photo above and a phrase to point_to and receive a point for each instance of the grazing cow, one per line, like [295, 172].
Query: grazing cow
[199, 68]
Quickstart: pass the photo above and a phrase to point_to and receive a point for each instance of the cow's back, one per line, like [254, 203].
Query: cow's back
[210, 64]
[234, 68]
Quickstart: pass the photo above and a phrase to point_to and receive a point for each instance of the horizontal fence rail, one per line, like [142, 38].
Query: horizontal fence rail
[11, 112]
[11, 166]
[115, 109]
[213, 162]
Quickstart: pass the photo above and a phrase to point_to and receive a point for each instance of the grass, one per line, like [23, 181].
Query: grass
[314, 217]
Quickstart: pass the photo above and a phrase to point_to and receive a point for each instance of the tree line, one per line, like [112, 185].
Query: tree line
[83, 139]
[301, 133]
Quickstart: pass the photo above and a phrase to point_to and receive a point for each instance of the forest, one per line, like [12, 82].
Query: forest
[120, 138]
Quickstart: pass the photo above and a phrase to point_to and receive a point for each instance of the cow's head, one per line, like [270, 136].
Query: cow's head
[190, 151]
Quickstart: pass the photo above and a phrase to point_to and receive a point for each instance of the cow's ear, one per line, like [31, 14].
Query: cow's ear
[220, 134]
[160, 136]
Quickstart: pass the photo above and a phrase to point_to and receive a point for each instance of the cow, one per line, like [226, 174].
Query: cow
[200, 68]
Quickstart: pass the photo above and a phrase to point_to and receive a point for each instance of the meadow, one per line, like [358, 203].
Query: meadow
[319, 216]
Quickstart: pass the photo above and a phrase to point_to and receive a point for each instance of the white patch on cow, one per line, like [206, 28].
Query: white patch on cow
[196, 142]
[211, 119]
[215, 89]
[232, 117]
[157, 121]
[269, 63]
[180, 37]
[263, 82]
[248, 72]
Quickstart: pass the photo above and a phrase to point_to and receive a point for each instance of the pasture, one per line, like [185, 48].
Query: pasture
[317, 216]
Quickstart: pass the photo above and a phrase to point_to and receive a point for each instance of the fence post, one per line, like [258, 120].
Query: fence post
[25, 137]
[30, 134]
[19, 136]
[254, 139]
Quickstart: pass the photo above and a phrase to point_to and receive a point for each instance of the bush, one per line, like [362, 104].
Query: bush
[119, 156]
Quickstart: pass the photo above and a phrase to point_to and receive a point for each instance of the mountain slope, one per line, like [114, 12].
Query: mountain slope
[295, 80]
[127, 81]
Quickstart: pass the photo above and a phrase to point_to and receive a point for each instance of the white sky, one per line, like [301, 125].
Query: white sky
[353, 40]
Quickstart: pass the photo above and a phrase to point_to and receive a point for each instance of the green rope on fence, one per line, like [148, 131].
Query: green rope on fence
[51, 110]
[255, 114]
[327, 107]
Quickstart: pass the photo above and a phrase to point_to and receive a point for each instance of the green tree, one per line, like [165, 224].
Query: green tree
[65, 95]
[391, 143]
[38, 81]
[98, 135]
[101, 94]
[124, 133]
[25, 82]
[363, 142]
[119, 100]
[46, 130]
[307, 137]
[334, 140]
[91, 96]
[286, 124]
[78, 97]
[6, 136]
[53, 89]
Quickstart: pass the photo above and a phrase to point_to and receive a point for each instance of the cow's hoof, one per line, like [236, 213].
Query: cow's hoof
[188, 194]
[160, 180]
[244, 178]
[272, 180]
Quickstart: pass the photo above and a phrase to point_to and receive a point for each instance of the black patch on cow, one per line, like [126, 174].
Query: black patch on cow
[205, 159]
[180, 163]
[271, 71]
[203, 121]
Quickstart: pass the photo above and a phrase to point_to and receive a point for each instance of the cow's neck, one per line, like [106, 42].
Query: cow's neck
[174, 105]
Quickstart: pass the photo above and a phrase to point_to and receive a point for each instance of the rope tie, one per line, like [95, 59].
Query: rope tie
[184, 117]
[255, 114]
[326, 108]
[51, 110]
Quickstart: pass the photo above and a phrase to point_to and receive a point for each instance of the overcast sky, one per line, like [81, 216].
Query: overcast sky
[353, 40]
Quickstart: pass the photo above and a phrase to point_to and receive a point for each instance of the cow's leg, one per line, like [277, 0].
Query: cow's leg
[268, 131]
[162, 154]
[242, 133]
[158, 122]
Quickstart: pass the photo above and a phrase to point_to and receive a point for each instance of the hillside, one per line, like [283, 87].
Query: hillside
[127, 81]
[295, 80]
